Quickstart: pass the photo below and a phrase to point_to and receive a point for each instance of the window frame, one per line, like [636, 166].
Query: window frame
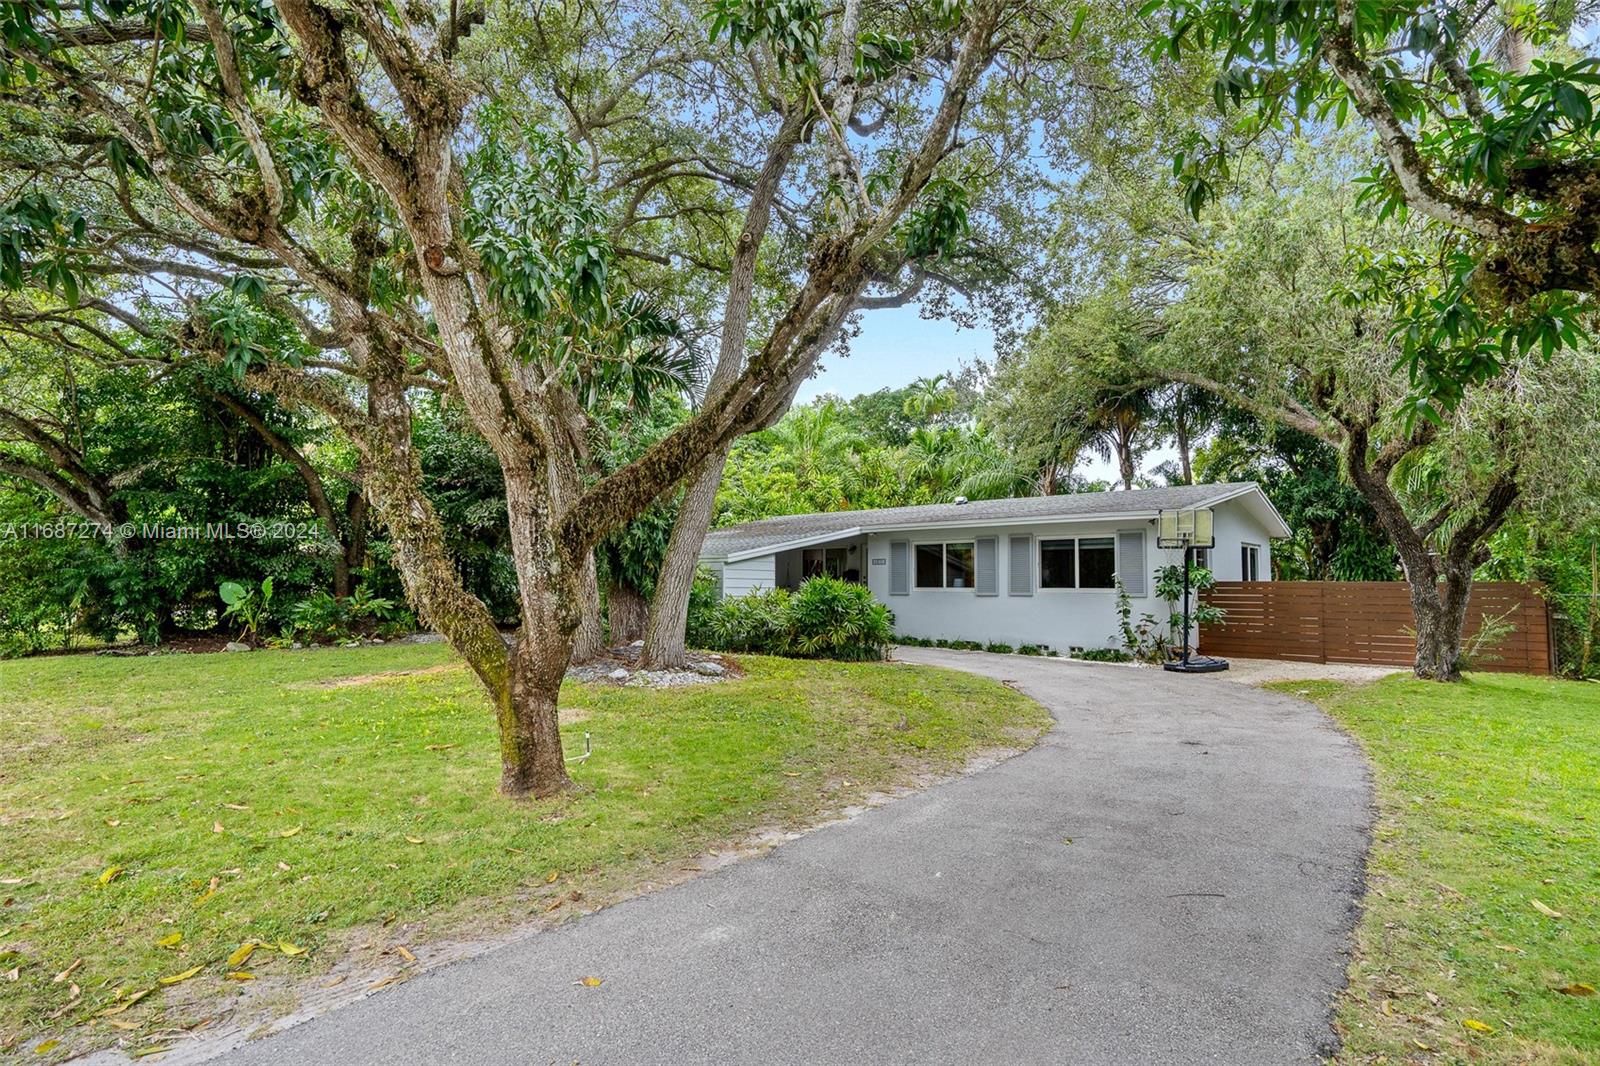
[944, 565]
[1252, 552]
[1077, 540]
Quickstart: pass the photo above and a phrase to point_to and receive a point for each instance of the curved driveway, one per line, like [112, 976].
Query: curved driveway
[1199, 914]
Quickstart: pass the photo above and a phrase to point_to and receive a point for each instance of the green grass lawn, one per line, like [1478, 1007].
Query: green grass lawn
[158, 813]
[1480, 940]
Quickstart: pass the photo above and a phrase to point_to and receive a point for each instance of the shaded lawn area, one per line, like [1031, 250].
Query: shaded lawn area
[1480, 940]
[157, 813]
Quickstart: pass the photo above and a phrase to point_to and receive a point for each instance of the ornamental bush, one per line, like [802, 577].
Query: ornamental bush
[825, 619]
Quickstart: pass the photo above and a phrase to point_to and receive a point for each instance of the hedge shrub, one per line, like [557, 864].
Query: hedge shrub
[825, 619]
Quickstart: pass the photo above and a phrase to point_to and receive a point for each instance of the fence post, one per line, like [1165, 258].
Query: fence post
[1322, 620]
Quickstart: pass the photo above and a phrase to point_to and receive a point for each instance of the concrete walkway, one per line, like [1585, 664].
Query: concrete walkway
[1169, 877]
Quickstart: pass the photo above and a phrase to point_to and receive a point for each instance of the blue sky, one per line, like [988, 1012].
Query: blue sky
[898, 346]
[895, 348]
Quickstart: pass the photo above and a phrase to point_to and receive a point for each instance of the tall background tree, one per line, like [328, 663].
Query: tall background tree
[1483, 116]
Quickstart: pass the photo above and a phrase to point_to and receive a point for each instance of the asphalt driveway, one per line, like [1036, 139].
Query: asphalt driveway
[1169, 877]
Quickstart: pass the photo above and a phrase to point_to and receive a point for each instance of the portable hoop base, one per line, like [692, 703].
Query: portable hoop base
[1196, 664]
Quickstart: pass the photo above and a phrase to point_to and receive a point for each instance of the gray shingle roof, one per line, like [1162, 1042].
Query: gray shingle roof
[772, 532]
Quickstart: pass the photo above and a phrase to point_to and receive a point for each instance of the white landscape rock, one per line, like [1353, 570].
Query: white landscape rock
[619, 674]
[234, 645]
[708, 669]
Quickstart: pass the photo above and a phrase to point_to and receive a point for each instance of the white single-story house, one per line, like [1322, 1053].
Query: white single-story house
[1038, 570]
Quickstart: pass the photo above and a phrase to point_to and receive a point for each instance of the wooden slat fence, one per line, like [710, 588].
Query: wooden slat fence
[1366, 622]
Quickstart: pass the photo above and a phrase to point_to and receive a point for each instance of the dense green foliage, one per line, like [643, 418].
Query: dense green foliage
[924, 443]
[194, 495]
[824, 618]
[1484, 121]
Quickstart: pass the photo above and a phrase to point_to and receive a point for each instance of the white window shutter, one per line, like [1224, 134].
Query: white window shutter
[899, 568]
[1131, 566]
[1019, 579]
[986, 566]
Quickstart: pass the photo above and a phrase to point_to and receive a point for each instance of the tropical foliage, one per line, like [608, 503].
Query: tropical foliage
[824, 619]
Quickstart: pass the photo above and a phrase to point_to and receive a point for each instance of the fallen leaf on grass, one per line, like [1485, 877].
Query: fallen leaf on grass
[241, 953]
[405, 953]
[64, 974]
[239, 975]
[110, 874]
[413, 840]
[236, 807]
[120, 1024]
[440, 747]
[1421, 1045]
[125, 1004]
[46, 1047]
[283, 866]
[12, 880]
[146, 1052]
[1544, 910]
[589, 982]
[216, 827]
[391, 979]
[171, 940]
[14, 973]
[184, 976]
[290, 832]
[1476, 1026]
[1577, 988]
[290, 949]
[550, 880]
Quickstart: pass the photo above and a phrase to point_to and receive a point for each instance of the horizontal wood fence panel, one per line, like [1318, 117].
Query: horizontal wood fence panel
[1367, 622]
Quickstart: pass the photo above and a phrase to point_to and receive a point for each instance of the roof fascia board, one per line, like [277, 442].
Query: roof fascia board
[788, 545]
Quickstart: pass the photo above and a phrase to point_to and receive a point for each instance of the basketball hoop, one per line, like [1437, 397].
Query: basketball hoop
[1188, 528]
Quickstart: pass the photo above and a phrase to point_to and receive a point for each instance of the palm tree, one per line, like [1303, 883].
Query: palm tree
[817, 438]
[1117, 424]
[930, 397]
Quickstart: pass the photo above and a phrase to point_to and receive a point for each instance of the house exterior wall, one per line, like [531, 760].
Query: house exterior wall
[1234, 527]
[1059, 618]
[748, 575]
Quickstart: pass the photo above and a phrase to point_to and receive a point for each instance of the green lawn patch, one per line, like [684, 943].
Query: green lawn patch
[1480, 940]
[159, 813]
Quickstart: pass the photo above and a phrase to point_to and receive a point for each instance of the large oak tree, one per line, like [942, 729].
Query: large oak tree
[334, 169]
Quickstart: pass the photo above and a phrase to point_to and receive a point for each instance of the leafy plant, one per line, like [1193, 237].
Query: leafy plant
[1029, 649]
[319, 616]
[836, 619]
[1492, 632]
[1103, 655]
[826, 618]
[998, 648]
[245, 605]
[1145, 639]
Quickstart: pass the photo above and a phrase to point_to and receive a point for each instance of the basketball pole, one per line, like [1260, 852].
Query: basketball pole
[1188, 553]
[1173, 532]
